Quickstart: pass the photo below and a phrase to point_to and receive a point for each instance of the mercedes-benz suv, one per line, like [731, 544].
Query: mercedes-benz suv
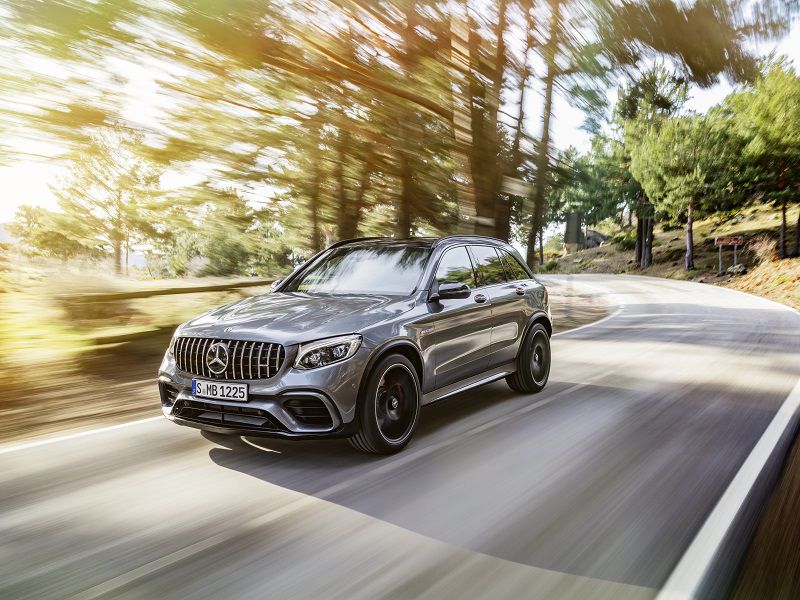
[356, 340]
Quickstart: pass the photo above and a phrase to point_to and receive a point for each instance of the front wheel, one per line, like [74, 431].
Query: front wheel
[389, 407]
[533, 362]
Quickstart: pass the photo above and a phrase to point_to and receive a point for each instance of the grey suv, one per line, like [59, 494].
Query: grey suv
[358, 338]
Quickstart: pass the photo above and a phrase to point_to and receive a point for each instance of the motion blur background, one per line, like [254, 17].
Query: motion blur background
[158, 158]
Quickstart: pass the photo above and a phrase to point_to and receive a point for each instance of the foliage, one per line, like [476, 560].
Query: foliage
[305, 122]
[626, 240]
[767, 117]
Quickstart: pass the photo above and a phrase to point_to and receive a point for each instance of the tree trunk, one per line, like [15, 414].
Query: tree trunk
[541, 247]
[503, 207]
[314, 209]
[348, 225]
[637, 251]
[544, 142]
[689, 237]
[481, 160]
[494, 178]
[797, 234]
[407, 118]
[782, 237]
[648, 244]
[316, 181]
[406, 193]
[462, 134]
[117, 246]
[344, 209]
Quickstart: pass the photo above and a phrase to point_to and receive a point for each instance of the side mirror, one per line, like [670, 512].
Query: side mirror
[451, 291]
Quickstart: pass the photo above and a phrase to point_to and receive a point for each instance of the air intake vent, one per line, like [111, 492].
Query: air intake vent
[168, 393]
[235, 417]
[245, 360]
[309, 411]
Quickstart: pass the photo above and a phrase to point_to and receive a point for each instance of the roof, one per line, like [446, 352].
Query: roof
[420, 241]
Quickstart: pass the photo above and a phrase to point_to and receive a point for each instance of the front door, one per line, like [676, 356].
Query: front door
[461, 327]
[509, 303]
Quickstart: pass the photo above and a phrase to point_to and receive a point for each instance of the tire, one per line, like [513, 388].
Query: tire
[533, 362]
[388, 408]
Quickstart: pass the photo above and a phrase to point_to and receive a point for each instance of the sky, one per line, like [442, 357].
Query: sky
[29, 179]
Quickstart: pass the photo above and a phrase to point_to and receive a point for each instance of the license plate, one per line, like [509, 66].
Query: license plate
[219, 391]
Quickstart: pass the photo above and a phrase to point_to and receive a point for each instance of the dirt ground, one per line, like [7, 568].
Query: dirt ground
[771, 568]
[777, 280]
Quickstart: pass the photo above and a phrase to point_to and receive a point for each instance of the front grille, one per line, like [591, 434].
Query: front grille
[309, 411]
[235, 417]
[246, 360]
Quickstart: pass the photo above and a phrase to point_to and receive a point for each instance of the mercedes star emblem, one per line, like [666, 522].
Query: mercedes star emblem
[217, 358]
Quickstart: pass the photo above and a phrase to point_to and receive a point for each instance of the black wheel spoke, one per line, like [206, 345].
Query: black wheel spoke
[396, 403]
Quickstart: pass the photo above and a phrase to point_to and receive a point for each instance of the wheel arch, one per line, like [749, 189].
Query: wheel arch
[404, 347]
[540, 317]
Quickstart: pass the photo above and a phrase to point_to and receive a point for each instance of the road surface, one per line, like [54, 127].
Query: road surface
[592, 489]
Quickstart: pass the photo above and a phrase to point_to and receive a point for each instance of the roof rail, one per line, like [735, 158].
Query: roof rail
[469, 236]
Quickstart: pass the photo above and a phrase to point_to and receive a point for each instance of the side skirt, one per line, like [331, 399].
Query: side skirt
[468, 383]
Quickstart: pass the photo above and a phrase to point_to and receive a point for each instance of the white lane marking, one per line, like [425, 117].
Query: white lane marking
[684, 582]
[72, 436]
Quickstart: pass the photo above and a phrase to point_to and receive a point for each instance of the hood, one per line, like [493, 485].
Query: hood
[293, 318]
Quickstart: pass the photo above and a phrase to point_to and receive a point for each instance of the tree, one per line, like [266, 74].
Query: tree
[684, 168]
[767, 116]
[703, 40]
[108, 195]
[44, 232]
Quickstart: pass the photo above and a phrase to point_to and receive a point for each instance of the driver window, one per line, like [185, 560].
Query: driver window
[455, 267]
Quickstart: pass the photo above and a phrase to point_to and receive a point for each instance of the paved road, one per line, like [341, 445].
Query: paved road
[591, 489]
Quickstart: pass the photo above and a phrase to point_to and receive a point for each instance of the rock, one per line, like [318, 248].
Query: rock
[578, 261]
[675, 239]
[594, 238]
[739, 269]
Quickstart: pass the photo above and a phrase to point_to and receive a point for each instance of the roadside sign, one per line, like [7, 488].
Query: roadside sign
[729, 240]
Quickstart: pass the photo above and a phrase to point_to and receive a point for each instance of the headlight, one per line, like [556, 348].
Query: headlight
[328, 351]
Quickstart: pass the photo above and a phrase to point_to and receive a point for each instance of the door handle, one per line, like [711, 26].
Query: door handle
[520, 291]
[480, 298]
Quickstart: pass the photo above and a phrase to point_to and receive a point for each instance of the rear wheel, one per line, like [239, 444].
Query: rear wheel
[533, 362]
[389, 407]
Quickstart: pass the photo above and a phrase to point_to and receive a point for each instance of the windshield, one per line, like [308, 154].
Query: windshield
[391, 270]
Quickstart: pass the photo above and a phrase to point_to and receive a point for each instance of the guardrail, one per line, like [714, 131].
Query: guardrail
[97, 309]
[92, 297]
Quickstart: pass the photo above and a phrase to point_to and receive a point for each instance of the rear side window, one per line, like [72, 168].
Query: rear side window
[516, 270]
[455, 267]
[487, 264]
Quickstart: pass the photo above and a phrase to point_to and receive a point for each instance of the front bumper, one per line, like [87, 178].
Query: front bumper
[295, 403]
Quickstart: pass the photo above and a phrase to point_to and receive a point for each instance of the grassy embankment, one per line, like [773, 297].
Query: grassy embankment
[777, 280]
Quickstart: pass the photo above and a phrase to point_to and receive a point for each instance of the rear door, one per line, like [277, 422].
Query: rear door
[461, 327]
[510, 307]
